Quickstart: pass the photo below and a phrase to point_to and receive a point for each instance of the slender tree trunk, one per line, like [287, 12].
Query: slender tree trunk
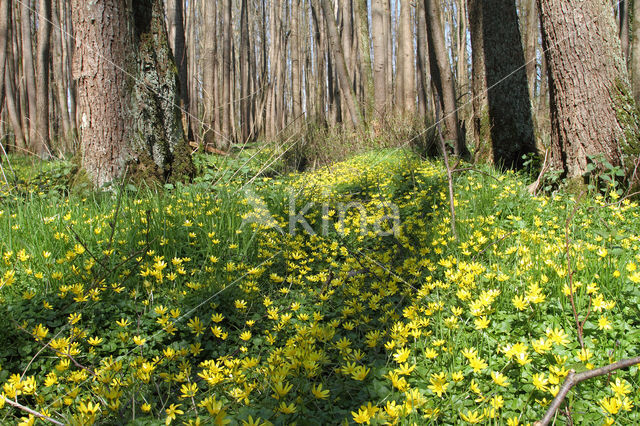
[296, 70]
[227, 94]
[340, 66]
[442, 77]
[28, 71]
[364, 46]
[587, 76]
[422, 60]
[175, 24]
[209, 67]
[481, 134]
[380, 56]
[623, 25]
[406, 61]
[512, 134]
[5, 13]
[41, 144]
[530, 39]
[245, 62]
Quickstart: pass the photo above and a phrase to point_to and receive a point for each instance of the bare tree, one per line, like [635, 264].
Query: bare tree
[442, 77]
[41, 143]
[405, 88]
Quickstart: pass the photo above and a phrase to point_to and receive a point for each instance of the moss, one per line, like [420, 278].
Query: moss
[144, 171]
[182, 168]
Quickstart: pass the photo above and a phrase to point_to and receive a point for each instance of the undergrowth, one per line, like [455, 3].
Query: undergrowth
[333, 296]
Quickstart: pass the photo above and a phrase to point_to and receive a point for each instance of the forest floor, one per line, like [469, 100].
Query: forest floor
[328, 297]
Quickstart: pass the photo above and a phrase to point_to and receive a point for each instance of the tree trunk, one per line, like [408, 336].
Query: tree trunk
[587, 81]
[125, 61]
[422, 61]
[442, 77]
[406, 63]
[364, 46]
[227, 94]
[41, 144]
[209, 67]
[380, 56]
[634, 64]
[175, 24]
[481, 134]
[623, 26]
[245, 71]
[512, 134]
[5, 13]
[340, 66]
[28, 72]
[530, 39]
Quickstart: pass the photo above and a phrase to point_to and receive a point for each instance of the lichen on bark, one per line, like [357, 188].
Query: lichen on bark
[158, 133]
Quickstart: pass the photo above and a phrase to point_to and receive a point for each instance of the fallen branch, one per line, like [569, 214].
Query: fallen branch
[573, 379]
[30, 411]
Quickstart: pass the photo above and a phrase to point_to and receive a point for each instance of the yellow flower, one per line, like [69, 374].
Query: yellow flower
[188, 390]
[245, 335]
[74, 318]
[499, 378]
[620, 387]
[604, 323]
[287, 409]
[241, 305]
[172, 411]
[94, 341]
[472, 417]
[139, 340]
[319, 393]
[438, 384]
[401, 355]
[124, 322]
[360, 373]
[611, 405]
[540, 381]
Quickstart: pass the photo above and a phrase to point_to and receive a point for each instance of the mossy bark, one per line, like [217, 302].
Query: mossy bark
[128, 102]
[159, 135]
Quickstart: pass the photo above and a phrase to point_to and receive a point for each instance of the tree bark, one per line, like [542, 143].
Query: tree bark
[175, 24]
[442, 77]
[364, 46]
[406, 90]
[5, 13]
[481, 134]
[512, 134]
[125, 61]
[209, 74]
[587, 81]
[28, 72]
[41, 144]
[623, 26]
[340, 66]
[227, 93]
[380, 56]
[245, 71]
[530, 39]
[634, 54]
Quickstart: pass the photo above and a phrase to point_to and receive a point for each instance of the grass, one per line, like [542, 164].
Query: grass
[198, 303]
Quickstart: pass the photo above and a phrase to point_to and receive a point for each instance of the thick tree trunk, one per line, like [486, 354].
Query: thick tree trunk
[634, 64]
[442, 77]
[512, 134]
[41, 145]
[587, 80]
[340, 66]
[126, 62]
